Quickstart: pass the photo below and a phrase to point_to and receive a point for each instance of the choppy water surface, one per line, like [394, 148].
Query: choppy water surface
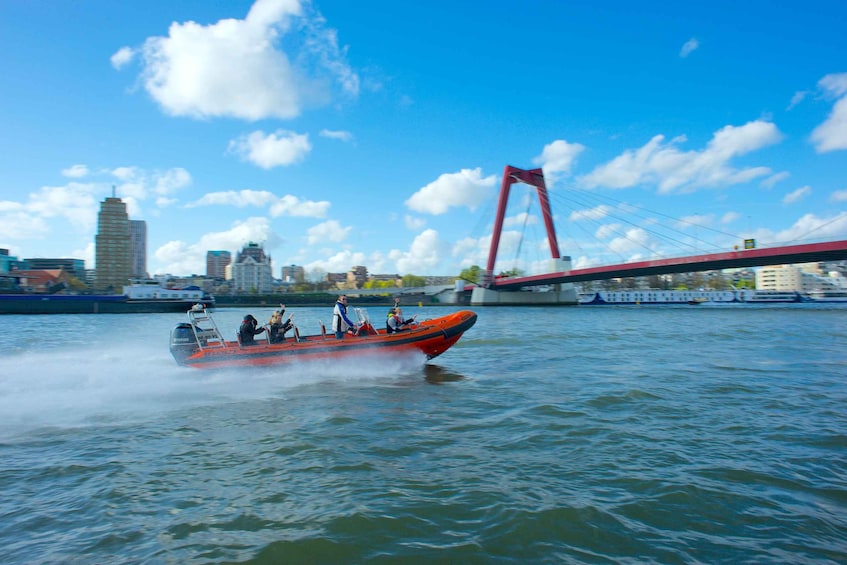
[586, 435]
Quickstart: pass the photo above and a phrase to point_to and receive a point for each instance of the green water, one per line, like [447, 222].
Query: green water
[549, 435]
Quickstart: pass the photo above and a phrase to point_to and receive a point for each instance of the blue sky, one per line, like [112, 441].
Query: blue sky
[375, 133]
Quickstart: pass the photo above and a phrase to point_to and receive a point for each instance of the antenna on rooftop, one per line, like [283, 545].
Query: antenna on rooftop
[113, 191]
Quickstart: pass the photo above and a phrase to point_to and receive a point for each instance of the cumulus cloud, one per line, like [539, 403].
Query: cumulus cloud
[675, 170]
[32, 219]
[809, 226]
[465, 188]
[557, 159]
[339, 262]
[520, 220]
[237, 68]
[595, 213]
[413, 222]
[831, 135]
[137, 184]
[339, 135]
[272, 150]
[839, 196]
[688, 47]
[122, 57]
[75, 171]
[424, 254]
[181, 257]
[797, 195]
[287, 205]
[329, 231]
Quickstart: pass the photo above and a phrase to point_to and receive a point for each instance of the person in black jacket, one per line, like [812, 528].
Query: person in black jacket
[277, 327]
[248, 329]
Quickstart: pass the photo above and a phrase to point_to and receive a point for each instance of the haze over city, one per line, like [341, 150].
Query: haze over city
[340, 134]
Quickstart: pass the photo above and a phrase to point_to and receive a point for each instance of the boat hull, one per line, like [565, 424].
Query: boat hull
[430, 337]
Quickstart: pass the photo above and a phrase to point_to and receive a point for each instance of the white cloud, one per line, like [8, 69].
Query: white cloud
[413, 223]
[292, 206]
[607, 230]
[122, 57]
[808, 227]
[329, 231]
[272, 150]
[424, 254]
[635, 238]
[136, 183]
[831, 135]
[839, 196]
[595, 213]
[339, 135]
[170, 181]
[338, 262]
[674, 170]
[557, 159]
[75, 171]
[688, 47]
[796, 195]
[237, 198]
[179, 257]
[236, 68]
[695, 221]
[465, 188]
[277, 206]
[773, 179]
[520, 219]
[730, 217]
[34, 218]
[798, 97]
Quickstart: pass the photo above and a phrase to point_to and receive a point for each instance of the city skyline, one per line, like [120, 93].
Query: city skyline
[338, 135]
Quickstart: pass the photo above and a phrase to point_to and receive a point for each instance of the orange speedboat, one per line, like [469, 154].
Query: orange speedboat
[200, 344]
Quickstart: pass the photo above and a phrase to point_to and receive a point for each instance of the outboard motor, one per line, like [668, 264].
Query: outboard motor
[183, 342]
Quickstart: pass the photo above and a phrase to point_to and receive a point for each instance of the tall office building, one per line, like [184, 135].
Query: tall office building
[293, 273]
[138, 248]
[251, 271]
[113, 252]
[216, 264]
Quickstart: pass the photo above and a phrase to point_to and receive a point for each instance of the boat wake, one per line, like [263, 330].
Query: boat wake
[83, 387]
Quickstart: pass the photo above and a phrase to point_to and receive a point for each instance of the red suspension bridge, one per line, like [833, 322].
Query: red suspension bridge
[805, 253]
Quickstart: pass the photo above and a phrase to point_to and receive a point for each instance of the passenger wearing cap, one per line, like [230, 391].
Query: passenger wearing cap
[248, 329]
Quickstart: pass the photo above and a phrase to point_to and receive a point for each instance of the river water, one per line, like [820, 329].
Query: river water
[643, 434]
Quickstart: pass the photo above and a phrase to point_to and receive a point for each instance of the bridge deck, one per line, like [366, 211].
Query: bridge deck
[806, 253]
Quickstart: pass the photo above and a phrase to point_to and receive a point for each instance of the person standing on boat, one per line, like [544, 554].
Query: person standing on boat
[248, 329]
[341, 324]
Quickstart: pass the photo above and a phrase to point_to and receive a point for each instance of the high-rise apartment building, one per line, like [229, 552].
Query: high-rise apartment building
[293, 273]
[138, 248]
[251, 271]
[216, 264]
[113, 252]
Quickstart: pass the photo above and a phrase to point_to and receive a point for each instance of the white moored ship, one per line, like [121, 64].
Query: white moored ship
[653, 296]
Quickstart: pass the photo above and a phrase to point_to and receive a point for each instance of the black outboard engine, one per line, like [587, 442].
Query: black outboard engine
[183, 342]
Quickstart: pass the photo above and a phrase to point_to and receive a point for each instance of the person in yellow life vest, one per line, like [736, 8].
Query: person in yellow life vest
[395, 321]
